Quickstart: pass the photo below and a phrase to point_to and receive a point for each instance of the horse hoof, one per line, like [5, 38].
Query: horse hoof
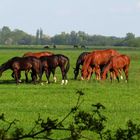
[82, 78]
[121, 77]
[66, 82]
[42, 84]
[19, 81]
[55, 79]
[62, 83]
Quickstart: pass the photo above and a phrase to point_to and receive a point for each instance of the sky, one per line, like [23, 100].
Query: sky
[100, 17]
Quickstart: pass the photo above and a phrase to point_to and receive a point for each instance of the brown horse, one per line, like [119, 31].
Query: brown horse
[50, 63]
[115, 64]
[97, 59]
[18, 64]
[38, 54]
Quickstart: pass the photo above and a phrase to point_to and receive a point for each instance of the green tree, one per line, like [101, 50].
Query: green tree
[37, 37]
[129, 36]
[128, 41]
[5, 35]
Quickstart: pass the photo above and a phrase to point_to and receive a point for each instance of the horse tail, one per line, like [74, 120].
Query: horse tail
[67, 65]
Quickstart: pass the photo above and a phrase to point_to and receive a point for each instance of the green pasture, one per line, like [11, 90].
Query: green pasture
[25, 101]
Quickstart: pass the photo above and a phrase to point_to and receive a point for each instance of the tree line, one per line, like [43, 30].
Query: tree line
[19, 37]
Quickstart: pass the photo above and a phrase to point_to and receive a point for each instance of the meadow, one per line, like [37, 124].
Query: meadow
[25, 101]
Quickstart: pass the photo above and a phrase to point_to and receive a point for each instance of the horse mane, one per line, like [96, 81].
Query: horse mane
[80, 59]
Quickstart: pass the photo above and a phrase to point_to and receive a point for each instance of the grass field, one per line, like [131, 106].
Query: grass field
[25, 101]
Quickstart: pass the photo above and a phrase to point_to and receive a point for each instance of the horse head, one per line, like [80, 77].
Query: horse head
[76, 72]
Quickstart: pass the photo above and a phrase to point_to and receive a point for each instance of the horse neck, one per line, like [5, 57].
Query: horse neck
[78, 63]
[86, 63]
[4, 67]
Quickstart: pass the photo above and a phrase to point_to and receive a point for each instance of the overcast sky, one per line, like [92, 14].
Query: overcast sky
[104, 17]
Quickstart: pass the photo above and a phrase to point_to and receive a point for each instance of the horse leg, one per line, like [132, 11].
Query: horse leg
[16, 75]
[54, 77]
[116, 74]
[125, 69]
[111, 75]
[34, 75]
[40, 75]
[48, 72]
[97, 72]
[26, 75]
[120, 72]
[19, 76]
[63, 75]
[66, 79]
[90, 72]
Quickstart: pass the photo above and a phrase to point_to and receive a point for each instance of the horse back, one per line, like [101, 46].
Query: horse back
[101, 57]
[24, 63]
[38, 54]
[120, 61]
[54, 60]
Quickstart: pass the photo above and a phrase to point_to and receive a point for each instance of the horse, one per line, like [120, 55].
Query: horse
[38, 54]
[18, 64]
[80, 61]
[117, 63]
[49, 64]
[97, 59]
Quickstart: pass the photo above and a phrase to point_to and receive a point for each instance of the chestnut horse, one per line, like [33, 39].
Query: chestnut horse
[97, 59]
[80, 61]
[37, 54]
[49, 64]
[115, 64]
[18, 64]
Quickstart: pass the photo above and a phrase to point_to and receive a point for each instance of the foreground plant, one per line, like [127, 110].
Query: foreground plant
[93, 122]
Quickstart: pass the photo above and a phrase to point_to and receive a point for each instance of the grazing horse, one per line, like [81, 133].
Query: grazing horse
[18, 64]
[115, 64]
[37, 54]
[49, 64]
[97, 59]
[80, 61]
